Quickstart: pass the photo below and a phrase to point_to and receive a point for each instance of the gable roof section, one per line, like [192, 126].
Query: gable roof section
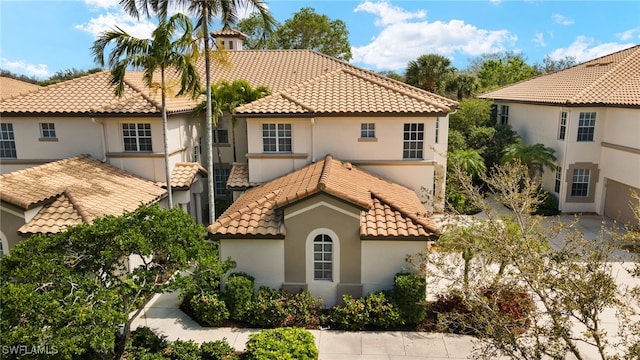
[387, 209]
[184, 173]
[75, 190]
[350, 90]
[612, 80]
[11, 87]
[303, 80]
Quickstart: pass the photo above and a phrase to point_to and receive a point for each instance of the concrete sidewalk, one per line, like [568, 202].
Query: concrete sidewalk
[163, 317]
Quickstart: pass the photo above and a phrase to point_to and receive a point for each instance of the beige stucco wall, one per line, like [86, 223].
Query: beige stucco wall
[383, 259]
[74, 136]
[263, 259]
[615, 148]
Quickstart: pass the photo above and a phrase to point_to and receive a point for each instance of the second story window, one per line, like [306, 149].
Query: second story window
[413, 141]
[367, 130]
[586, 126]
[437, 129]
[47, 130]
[220, 136]
[276, 137]
[562, 129]
[137, 137]
[7, 141]
[558, 182]
[503, 114]
[220, 181]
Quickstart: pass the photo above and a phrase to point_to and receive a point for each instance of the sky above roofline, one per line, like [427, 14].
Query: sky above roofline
[41, 37]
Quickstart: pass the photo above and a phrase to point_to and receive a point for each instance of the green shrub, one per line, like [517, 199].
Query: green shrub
[351, 314]
[238, 294]
[217, 350]
[209, 309]
[273, 308]
[381, 310]
[410, 295]
[145, 338]
[549, 204]
[281, 344]
[183, 350]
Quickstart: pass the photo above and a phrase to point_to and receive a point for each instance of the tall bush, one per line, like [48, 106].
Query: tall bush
[410, 295]
[282, 344]
[237, 295]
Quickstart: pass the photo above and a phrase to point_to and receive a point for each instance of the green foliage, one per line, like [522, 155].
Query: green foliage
[217, 350]
[498, 73]
[183, 350]
[273, 308]
[410, 291]
[382, 311]
[548, 205]
[429, 72]
[309, 30]
[238, 294]
[73, 289]
[460, 203]
[351, 314]
[143, 337]
[209, 309]
[281, 344]
[535, 157]
[471, 113]
[258, 38]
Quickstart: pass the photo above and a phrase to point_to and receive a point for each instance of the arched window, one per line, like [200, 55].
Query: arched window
[322, 257]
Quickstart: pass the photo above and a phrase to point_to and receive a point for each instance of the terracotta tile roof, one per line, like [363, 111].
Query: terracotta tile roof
[183, 174]
[612, 80]
[229, 32]
[350, 90]
[74, 189]
[303, 81]
[11, 87]
[387, 208]
[239, 177]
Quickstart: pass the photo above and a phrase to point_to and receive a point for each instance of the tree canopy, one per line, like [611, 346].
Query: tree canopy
[429, 72]
[76, 289]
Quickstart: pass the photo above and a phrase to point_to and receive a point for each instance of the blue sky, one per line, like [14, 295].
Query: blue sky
[38, 38]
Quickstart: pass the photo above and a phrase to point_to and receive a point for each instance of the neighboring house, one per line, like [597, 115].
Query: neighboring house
[47, 198]
[328, 227]
[11, 87]
[590, 115]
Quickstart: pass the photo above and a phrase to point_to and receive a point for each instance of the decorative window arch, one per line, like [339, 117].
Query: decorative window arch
[323, 256]
[4, 244]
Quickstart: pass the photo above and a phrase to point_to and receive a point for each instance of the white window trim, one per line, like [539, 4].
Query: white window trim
[595, 119]
[137, 137]
[42, 131]
[503, 116]
[309, 256]
[562, 125]
[277, 138]
[15, 147]
[413, 141]
[368, 129]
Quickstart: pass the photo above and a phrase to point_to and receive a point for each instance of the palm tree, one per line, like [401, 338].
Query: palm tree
[205, 10]
[463, 84]
[534, 157]
[162, 52]
[470, 161]
[429, 72]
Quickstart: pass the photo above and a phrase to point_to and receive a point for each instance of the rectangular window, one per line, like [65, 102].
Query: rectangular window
[322, 258]
[368, 130]
[137, 137]
[586, 126]
[503, 114]
[220, 136]
[413, 141]
[562, 130]
[220, 178]
[437, 129]
[47, 130]
[7, 141]
[556, 188]
[276, 137]
[580, 183]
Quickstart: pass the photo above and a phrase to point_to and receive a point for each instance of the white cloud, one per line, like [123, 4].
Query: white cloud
[102, 4]
[629, 34]
[538, 38]
[387, 13]
[585, 49]
[401, 41]
[561, 19]
[19, 66]
[104, 22]
[495, 2]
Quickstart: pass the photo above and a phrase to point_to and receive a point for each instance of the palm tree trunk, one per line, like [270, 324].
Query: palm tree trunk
[209, 130]
[165, 134]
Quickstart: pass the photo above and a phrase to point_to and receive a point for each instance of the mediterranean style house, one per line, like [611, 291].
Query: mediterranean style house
[590, 115]
[279, 160]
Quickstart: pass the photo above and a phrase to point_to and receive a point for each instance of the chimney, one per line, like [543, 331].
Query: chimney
[228, 38]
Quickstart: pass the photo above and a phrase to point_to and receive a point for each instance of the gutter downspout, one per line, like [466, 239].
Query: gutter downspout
[103, 136]
[313, 142]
